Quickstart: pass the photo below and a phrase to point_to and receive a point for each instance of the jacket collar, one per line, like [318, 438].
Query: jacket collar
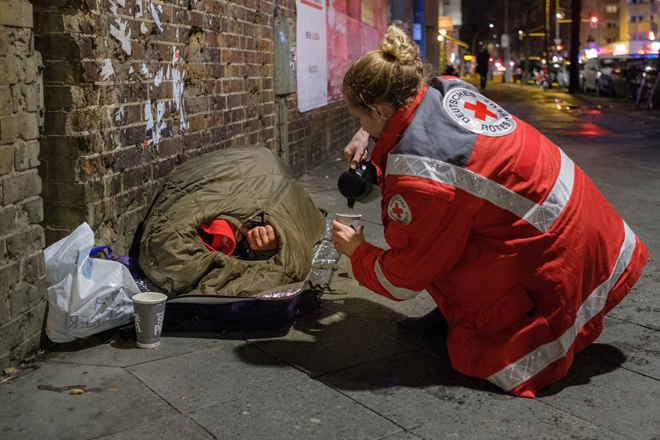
[394, 130]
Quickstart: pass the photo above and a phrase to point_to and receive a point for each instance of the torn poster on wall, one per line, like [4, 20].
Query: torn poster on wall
[155, 113]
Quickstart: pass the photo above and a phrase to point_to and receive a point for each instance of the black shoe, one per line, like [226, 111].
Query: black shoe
[431, 325]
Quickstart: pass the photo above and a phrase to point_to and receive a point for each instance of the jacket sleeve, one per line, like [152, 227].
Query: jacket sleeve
[420, 251]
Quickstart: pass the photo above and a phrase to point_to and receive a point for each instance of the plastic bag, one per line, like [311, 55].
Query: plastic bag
[85, 295]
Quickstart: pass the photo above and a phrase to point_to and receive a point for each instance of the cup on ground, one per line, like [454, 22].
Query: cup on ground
[149, 315]
[354, 221]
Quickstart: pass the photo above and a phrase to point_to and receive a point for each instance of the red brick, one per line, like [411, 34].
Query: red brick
[162, 169]
[126, 115]
[196, 19]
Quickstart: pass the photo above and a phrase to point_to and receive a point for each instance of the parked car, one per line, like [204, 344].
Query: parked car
[596, 74]
[623, 78]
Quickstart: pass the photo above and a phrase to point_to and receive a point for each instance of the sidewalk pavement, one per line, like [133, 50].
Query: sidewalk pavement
[345, 372]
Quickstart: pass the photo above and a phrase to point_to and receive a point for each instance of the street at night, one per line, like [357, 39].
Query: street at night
[345, 371]
[329, 219]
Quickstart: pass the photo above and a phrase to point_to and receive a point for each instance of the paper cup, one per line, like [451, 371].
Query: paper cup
[149, 314]
[354, 221]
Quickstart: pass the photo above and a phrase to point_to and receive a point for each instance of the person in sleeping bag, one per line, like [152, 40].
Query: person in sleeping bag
[254, 240]
[520, 251]
[243, 201]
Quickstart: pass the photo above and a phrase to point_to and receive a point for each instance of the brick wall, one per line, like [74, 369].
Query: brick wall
[22, 272]
[130, 89]
[133, 88]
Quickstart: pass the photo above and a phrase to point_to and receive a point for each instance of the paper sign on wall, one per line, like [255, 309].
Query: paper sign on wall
[311, 57]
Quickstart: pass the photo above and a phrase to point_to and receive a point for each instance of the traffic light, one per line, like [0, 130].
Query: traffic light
[594, 22]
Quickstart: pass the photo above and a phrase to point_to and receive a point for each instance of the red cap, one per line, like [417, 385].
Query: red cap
[223, 236]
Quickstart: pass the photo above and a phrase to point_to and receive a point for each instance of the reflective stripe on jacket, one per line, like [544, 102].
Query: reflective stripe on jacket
[518, 248]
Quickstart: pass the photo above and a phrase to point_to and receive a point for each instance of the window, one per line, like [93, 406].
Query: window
[612, 9]
[633, 18]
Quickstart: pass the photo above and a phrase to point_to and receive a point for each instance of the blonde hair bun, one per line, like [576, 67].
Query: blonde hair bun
[393, 74]
[397, 45]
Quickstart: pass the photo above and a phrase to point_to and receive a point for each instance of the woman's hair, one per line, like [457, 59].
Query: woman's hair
[392, 74]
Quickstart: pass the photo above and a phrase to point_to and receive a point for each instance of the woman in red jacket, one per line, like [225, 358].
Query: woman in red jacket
[520, 251]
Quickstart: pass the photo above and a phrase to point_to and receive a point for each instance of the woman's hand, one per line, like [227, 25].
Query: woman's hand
[262, 238]
[356, 150]
[346, 239]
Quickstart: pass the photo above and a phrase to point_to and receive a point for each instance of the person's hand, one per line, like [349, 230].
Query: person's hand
[356, 150]
[262, 238]
[346, 239]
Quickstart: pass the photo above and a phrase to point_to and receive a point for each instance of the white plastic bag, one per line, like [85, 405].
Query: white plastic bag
[86, 295]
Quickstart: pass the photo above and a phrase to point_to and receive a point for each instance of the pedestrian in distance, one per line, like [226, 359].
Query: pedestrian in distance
[521, 253]
[483, 64]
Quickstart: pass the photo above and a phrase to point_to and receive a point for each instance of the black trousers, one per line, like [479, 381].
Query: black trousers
[484, 77]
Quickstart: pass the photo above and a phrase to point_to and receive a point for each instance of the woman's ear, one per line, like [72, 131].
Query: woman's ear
[379, 109]
[383, 111]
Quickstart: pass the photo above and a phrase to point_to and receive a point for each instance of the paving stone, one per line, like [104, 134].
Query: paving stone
[413, 388]
[619, 340]
[521, 419]
[35, 408]
[355, 302]
[644, 359]
[323, 342]
[403, 435]
[613, 398]
[628, 345]
[166, 428]
[119, 352]
[231, 371]
[641, 306]
[308, 410]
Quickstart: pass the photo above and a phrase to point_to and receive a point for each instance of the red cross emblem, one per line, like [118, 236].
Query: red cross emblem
[398, 211]
[480, 110]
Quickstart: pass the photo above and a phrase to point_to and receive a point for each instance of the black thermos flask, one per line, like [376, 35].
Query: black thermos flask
[360, 184]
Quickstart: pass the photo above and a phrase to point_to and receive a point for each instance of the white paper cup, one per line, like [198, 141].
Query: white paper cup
[149, 314]
[354, 221]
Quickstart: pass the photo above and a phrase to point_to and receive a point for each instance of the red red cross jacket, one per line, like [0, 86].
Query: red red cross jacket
[520, 251]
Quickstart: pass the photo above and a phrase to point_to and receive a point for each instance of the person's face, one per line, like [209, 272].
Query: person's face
[373, 120]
